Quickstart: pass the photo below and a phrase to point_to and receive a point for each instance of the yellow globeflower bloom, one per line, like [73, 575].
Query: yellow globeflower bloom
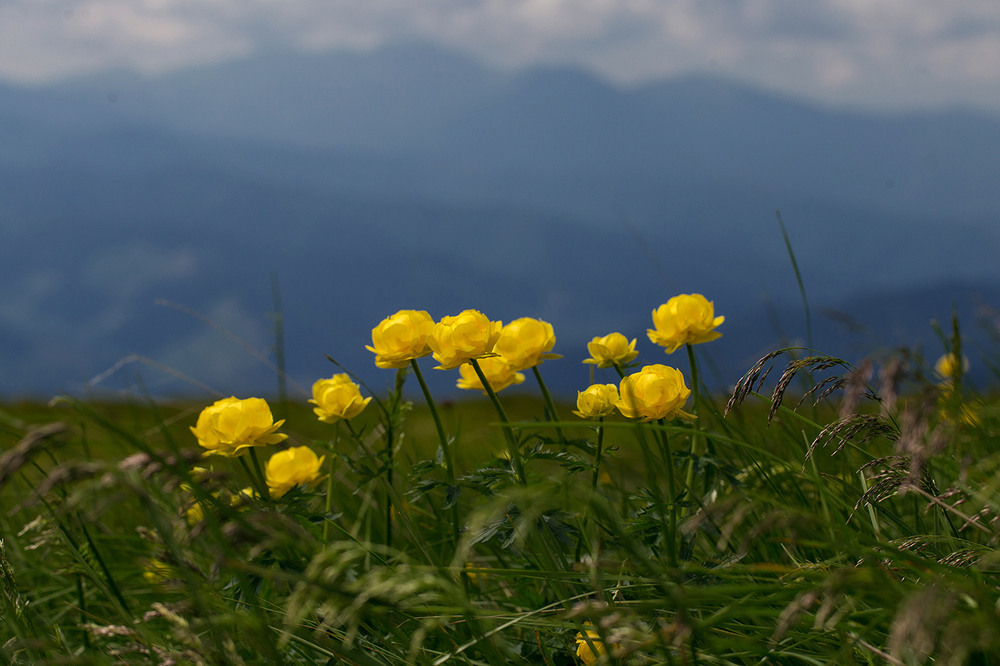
[611, 349]
[655, 392]
[400, 338]
[526, 342]
[337, 398]
[590, 652]
[684, 319]
[230, 426]
[596, 401]
[498, 372]
[291, 467]
[469, 334]
[948, 365]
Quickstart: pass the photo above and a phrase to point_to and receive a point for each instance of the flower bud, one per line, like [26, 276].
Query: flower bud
[596, 401]
[611, 349]
[337, 398]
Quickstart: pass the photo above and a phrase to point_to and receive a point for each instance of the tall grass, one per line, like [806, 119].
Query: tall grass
[827, 513]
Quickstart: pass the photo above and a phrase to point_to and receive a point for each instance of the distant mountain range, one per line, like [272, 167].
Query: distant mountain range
[412, 177]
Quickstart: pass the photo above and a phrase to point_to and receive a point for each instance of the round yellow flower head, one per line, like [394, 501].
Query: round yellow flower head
[684, 319]
[611, 349]
[469, 334]
[655, 392]
[526, 342]
[291, 467]
[947, 366]
[499, 374]
[596, 401]
[337, 398]
[230, 426]
[400, 338]
[590, 652]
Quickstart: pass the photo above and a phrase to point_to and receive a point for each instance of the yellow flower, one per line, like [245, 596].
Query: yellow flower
[947, 366]
[400, 338]
[655, 392]
[596, 401]
[498, 373]
[287, 469]
[611, 349]
[230, 426]
[526, 342]
[243, 497]
[157, 572]
[337, 398]
[590, 653]
[684, 319]
[469, 334]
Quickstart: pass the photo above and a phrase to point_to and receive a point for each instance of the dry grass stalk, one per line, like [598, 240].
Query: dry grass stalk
[18, 455]
[866, 427]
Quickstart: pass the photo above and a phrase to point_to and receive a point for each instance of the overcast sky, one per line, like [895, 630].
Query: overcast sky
[872, 53]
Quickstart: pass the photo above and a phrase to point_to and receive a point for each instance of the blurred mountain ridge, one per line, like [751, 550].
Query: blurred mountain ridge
[411, 177]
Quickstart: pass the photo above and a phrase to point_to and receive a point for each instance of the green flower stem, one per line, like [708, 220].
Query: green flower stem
[390, 450]
[328, 504]
[549, 404]
[668, 462]
[653, 481]
[403, 519]
[257, 478]
[512, 445]
[597, 455]
[449, 464]
[697, 441]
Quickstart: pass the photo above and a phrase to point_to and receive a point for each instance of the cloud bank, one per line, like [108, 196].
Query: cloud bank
[872, 53]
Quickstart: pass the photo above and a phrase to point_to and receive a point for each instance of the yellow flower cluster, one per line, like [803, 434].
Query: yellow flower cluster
[501, 351]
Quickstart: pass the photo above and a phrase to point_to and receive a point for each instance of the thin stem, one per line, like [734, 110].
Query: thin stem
[654, 489]
[697, 446]
[597, 455]
[449, 469]
[668, 461]
[512, 445]
[257, 478]
[328, 506]
[449, 464]
[550, 406]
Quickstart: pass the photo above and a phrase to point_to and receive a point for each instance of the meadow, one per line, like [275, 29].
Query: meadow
[825, 512]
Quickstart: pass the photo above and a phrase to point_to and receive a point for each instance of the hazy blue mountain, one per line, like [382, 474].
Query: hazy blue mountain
[413, 177]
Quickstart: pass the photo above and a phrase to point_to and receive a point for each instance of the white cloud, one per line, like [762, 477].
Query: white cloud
[874, 52]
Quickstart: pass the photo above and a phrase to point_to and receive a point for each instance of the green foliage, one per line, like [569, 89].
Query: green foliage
[858, 526]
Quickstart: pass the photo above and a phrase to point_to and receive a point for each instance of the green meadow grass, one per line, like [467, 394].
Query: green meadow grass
[859, 526]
